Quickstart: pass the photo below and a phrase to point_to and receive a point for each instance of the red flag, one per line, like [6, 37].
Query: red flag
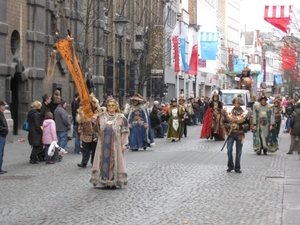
[175, 40]
[288, 58]
[194, 57]
[279, 16]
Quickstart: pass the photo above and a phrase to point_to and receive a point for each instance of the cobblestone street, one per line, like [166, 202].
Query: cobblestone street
[173, 183]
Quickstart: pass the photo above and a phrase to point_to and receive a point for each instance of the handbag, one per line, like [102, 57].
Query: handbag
[25, 126]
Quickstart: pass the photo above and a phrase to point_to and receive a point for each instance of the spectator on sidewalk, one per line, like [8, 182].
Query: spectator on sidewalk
[63, 124]
[35, 130]
[75, 106]
[156, 124]
[49, 135]
[3, 134]
[45, 105]
[295, 126]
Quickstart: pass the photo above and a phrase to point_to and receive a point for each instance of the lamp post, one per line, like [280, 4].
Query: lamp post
[120, 25]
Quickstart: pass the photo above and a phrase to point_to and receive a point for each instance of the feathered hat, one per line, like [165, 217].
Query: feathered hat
[181, 99]
[138, 97]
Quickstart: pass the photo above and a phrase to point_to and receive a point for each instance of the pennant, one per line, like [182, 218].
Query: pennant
[209, 42]
[279, 16]
[65, 49]
[194, 56]
[175, 37]
[186, 67]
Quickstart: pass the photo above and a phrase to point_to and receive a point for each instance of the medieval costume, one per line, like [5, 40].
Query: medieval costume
[278, 110]
[185, 122]
[175, 117]
[141, 135]
[88, 135]
[109, 169]
[236, 125]
[245, 80]
[264, 134]
[213, 126]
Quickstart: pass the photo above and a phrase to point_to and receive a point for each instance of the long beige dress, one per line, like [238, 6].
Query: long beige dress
[109, 169]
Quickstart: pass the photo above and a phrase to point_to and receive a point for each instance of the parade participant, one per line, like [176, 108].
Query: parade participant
[109, 169]
[213, 126]
[236, 125]
[88, 135]
[182, 103]
[295, 126]
[264, 134]
[175, 116]
[278, 110]
[3, 134]
[141, 135]
[245, 81]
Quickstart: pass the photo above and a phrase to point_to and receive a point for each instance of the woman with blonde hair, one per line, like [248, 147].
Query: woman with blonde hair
[109, 169]
[35, 130]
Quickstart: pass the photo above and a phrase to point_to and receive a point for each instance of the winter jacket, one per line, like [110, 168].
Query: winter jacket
[154, 119]
[3, 125]
[35, 130]
[49, 131]
[295, 121]
[61, 119]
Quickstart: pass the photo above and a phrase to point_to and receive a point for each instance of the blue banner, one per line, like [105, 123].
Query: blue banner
[186, 67]
[278, 79]
[209, 50]
[239, 65]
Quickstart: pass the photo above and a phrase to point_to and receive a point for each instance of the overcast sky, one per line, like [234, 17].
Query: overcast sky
[252, 13]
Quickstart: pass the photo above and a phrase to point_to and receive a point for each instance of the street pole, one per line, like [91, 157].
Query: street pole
[120, 69]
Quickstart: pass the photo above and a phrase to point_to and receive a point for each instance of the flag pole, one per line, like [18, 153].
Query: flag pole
[177, 85]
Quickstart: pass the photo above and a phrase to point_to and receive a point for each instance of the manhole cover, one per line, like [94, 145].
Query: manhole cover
[14, 177]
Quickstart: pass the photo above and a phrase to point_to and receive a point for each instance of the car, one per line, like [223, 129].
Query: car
[229, 94]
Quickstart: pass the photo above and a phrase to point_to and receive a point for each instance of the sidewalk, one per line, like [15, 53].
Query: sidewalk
[291, 184]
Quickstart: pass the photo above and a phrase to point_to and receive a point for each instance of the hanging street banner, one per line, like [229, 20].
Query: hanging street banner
[65, 49]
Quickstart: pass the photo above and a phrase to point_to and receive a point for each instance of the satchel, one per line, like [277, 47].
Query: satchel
[25, 126]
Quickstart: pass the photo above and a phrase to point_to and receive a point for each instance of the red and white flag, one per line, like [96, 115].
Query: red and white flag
[279, 16]
[175, 40]
[194, 56]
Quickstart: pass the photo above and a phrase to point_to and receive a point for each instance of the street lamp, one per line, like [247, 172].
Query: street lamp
[120, 25]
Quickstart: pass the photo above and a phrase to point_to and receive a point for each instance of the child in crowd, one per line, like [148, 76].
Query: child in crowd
[49, 135]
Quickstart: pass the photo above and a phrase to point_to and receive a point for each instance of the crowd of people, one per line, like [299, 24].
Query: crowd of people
[102, 139]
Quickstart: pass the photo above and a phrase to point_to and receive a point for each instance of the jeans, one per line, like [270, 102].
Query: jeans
[62, 139]
[2, 144]
[159, 131]
[77, 140]
[87, 148]
[234, 137]
[196, 118]
[164, 126]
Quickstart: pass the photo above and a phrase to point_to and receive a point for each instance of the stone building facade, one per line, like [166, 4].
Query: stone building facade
[27, 38]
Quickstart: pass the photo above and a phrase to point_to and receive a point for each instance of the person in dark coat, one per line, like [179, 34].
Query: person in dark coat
[45, 105]
[295, 126]
[3, 134]
[156, 123]
[35, 130]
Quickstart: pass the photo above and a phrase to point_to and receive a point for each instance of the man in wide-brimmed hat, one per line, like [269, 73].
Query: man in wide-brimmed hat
[141, 135]
[175, 115]
[264, 134]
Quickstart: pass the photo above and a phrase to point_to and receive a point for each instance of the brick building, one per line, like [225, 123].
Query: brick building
[27, 37]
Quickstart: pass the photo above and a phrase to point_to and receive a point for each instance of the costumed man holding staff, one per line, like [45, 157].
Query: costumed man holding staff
[278, 111]
[175, 118]
[264, 132]
[213, 126]
[237, 124]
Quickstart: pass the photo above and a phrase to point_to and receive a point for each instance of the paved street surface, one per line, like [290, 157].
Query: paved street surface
[171, 184]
